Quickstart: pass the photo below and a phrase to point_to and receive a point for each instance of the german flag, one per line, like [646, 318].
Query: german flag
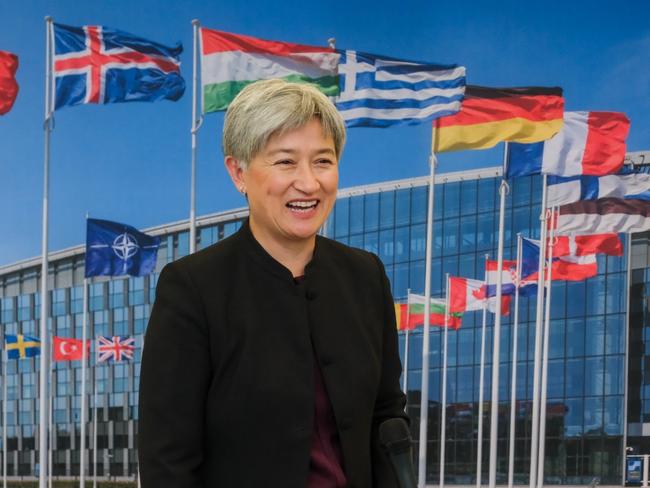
[492, 115]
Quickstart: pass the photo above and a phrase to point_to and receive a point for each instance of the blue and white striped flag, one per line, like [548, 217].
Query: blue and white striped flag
[381, 91]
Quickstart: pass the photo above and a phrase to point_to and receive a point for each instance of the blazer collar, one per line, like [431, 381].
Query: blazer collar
[264, 259]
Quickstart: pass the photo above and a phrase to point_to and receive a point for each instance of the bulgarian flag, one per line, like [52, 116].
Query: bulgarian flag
[466, 295]
[411, 315]
[229, 62]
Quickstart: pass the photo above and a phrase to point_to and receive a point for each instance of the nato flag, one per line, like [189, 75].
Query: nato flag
[114, 249]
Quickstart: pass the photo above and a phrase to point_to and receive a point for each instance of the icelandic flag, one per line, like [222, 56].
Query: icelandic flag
[114, 249]
[97, 64]
[378, 91]
[570, 267]
[590, 143]
[626, 184]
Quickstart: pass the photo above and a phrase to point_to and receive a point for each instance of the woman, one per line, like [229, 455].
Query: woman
[271, 357]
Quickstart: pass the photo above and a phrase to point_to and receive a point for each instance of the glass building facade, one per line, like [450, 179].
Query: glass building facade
[594, 409]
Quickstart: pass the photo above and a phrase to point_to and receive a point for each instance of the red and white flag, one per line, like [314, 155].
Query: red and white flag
[569, 267]
[8, 84]
[584, 245]
[466, 295]
[66, 349]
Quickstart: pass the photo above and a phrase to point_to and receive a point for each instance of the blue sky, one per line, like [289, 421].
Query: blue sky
[131, 162]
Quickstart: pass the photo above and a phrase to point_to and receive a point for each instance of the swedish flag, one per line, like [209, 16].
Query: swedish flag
[22, 346]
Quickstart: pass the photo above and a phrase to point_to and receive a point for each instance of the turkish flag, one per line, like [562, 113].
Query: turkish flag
[65, 349]
[8, 84]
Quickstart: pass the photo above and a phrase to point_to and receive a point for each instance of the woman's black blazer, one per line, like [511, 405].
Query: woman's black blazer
[226, 386]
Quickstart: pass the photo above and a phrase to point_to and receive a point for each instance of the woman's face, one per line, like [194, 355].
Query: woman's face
[291, 184]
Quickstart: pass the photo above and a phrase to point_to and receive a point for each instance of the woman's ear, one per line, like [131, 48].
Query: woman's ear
[236, 173]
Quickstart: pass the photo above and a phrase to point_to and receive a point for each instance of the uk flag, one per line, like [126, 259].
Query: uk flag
[96, 64]
[116, 348]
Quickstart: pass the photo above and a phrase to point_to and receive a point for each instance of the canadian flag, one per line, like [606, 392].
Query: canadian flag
[66, 349]
[466, 295]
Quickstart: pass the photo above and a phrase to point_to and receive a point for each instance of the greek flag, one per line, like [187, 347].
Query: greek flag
[381, 91]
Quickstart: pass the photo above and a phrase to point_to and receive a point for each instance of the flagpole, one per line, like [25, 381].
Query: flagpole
[481, 381]
[405, 367]
[494, 412]
[443, 407]
[424, 400]
[196, 124]
[4, 419]
[513, 382]
[95, 424]
[628, 283]
[84, 400]
[51, 429]
[544, 389]
[48, 126]
[534, 433]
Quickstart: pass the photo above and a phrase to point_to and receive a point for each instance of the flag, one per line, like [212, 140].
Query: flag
[508, 277]
[116, 348]
[416, 307]
[466, 295]
[590, 143]
[22, 346]
[583, 245]
[229, 62]
[96, 64]
[8, 84]
[570, 267]
[492, 115]
[604, 215]
[67, 349]
[114, 249]
[378, 91]
[628, 186]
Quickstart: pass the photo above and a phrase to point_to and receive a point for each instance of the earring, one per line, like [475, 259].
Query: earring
[242, 190]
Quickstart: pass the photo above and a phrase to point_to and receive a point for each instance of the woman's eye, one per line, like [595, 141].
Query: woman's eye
[324, 161]
[283, 162]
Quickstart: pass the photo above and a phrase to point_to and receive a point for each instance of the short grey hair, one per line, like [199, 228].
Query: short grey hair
[269, 107]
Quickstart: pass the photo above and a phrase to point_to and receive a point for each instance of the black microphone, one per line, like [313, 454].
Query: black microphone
[395, 439]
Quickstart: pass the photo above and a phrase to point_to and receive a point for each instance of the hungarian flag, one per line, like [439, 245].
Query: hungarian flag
[66, 349]
[590, 143]
[229, 62]
[492, 115]
[467, 295]
[411, 315]
[8, 84]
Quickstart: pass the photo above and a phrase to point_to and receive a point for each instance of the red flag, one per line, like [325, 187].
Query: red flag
[8, 84]
[609, 244]
[66, 349]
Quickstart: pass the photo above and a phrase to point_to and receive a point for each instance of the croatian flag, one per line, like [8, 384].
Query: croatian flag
[590, 143]
[466, 295]
[570, 267]
[96, 64]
